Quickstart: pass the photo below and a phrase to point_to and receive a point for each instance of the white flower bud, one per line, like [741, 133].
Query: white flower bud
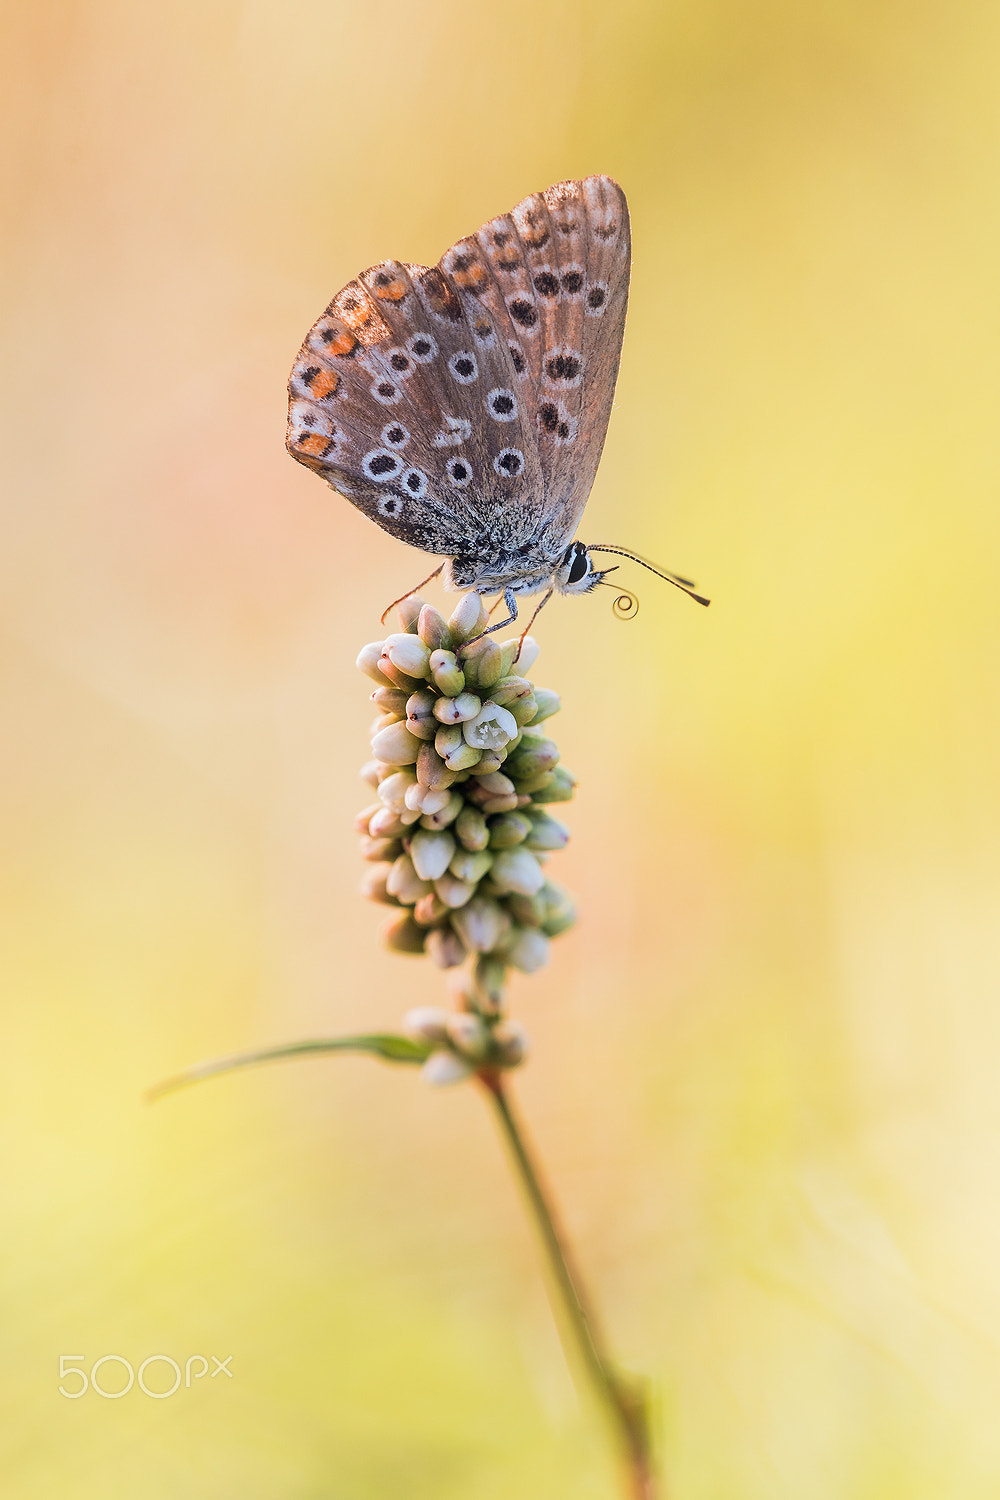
[482, 924]
[530, 650]
[404, 883]
[517, 870]
[511, 1042]
[392, 791]
[431, 852]
[468, 1035]
[409, 654]
[427, 1023]
[425, 799]
[442, 1068]
[385, 824]
[491, 729]
[468, 618]
[457, 710]
[367, 662]
[452, 891]
[445, 947]
[396, 745]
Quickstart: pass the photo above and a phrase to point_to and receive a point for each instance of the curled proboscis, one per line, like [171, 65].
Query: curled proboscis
[626, 606]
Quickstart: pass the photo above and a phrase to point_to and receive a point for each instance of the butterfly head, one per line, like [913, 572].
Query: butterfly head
[576, 573]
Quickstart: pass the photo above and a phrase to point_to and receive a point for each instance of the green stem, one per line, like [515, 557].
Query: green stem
[625, 1399]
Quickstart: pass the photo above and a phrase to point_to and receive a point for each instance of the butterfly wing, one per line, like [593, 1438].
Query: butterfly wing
[463, 407]
[554, 275]
[412, 410]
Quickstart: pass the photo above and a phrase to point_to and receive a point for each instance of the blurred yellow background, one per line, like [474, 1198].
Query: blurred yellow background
[765, 1064]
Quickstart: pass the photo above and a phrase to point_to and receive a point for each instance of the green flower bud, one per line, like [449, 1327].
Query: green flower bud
[368, 662]
[404, 883]
[466, 864]
[468, 618]
[447, 674]
[532, 755]
[560, 910]
[526, 949]
[457, 710]
[431, 852]
[517, 870]
[396, 745]
[408, 654]
[509, 829]
[482, 924]
[508, 650]
[471, 830]
[432, 628]
[559, 789]
[491, 760]
[547, 703]
[482, 663]
[492, 728]
[400, 933]
[444, 947]
[489, 976]
[527, 911]
[546, 833]
[510, 690]
[431, 769]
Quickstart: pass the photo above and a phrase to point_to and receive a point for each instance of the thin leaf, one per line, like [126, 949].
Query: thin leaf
[385, 1045]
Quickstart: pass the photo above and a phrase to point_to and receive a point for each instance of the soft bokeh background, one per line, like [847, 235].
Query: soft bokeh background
[765, 1069]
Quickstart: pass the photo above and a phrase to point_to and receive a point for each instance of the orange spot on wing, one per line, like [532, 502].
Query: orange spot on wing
[314, 443]
[342, 343]
[324, 384]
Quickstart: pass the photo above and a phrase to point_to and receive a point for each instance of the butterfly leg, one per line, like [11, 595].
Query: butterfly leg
[416, 586]
[531, 622]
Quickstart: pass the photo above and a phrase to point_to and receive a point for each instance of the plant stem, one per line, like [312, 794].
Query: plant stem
[624, 1398]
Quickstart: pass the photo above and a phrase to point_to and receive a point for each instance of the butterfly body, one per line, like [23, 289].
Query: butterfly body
[463, 407]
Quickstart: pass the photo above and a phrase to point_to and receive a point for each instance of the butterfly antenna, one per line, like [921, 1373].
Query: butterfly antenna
[414, 590]
[684, 584]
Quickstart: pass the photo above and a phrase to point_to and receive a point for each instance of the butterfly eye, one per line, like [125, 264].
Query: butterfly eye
[580, 566]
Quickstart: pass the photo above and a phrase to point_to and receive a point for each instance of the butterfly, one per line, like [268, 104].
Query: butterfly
[463, 407]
